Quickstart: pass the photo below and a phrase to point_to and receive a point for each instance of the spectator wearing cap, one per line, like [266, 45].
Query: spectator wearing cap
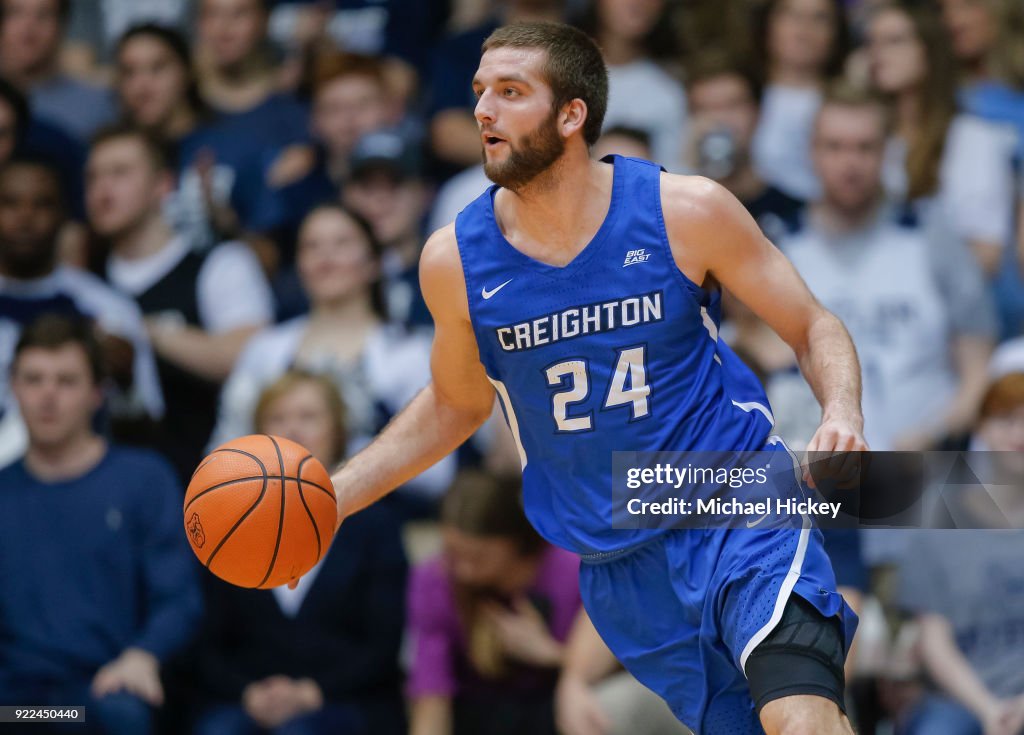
[31, 32]
[386, 188]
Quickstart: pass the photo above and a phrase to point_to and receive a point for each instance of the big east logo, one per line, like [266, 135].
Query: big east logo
[636, 256]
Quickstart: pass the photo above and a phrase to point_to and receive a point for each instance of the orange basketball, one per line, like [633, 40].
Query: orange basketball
[260, 511]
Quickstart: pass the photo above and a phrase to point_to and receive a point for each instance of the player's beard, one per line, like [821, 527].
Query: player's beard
[528, 157]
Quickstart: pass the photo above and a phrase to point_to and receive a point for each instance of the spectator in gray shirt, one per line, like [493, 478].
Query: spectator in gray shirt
[913, 298]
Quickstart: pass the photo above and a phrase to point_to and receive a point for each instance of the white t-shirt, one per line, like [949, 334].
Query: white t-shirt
[115, 313]
[976, 186]
[904, 294]
[782, 142]
[643, 95]
[232, 291]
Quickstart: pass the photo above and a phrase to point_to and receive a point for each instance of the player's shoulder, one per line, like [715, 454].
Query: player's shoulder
[694, 199]
[441, 249]
[442, 280]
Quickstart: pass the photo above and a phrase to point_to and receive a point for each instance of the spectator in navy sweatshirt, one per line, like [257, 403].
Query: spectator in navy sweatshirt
[99, 586]
[320, 659]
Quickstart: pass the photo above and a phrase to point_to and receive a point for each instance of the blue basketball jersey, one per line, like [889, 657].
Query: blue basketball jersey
[616, 351]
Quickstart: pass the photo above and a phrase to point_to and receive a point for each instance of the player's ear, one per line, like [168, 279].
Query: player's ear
[573, 117]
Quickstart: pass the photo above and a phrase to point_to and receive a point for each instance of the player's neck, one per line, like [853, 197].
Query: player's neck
[560, 210]
[149, 236]
[65, 460]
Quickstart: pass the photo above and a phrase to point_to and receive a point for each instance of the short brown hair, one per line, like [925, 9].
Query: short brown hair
[155, 150]
[574, 68]
[332, 398]
[845, 94]
[327, 67]
[1004, 395]
[481, 504]
[53, 331]
[715, 64]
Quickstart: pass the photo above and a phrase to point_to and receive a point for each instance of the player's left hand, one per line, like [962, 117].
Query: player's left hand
[840, 440]
[524, 633]
[135, 671]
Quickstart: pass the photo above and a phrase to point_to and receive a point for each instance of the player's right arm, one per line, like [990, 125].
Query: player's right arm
[457, 401]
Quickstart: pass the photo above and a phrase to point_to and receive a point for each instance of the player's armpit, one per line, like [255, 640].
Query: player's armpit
[458, 376]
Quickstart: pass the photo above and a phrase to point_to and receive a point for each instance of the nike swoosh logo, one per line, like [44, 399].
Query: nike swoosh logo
[488, 294]
[751, 524]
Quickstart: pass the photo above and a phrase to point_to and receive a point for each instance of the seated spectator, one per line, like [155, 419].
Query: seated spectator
[986, 40]
[802, 44]
[227, 170]
[912, 299]
[31, 32]
[489, 618]
[351, 99]
[387, 189]
[378, 367]
[99, 583]
[939, 161]
[32, 284]
[454, 135]
[236, 68]
[635, 39]
[967, 592]
[724, 108]
[323, 657]
[200, 307]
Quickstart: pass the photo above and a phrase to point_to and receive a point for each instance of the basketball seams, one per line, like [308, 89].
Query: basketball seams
[287, 478]
[280, 521]
[240, 521]
[302, 497]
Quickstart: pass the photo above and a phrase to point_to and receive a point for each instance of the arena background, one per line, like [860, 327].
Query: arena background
[233, 194]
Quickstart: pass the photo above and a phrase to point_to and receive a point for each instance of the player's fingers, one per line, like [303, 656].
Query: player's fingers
[293, 583]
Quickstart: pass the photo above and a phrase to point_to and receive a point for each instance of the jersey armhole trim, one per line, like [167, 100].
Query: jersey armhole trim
[699, 295]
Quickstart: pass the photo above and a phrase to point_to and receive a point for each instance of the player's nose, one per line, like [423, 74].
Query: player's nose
[484, 110]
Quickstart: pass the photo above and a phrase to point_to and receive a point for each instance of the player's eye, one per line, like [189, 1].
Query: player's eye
[510, 91]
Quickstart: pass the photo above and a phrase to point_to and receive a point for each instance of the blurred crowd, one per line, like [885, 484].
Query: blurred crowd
[211, 213]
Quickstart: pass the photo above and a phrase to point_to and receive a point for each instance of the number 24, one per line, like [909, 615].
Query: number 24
[574, 376]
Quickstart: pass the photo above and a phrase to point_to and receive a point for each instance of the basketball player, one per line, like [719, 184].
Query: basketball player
[587, 296]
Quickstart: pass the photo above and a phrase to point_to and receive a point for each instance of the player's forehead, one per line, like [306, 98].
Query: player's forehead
[510, 63]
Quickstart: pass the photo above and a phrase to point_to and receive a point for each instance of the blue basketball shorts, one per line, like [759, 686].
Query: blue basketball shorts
[684, 611]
